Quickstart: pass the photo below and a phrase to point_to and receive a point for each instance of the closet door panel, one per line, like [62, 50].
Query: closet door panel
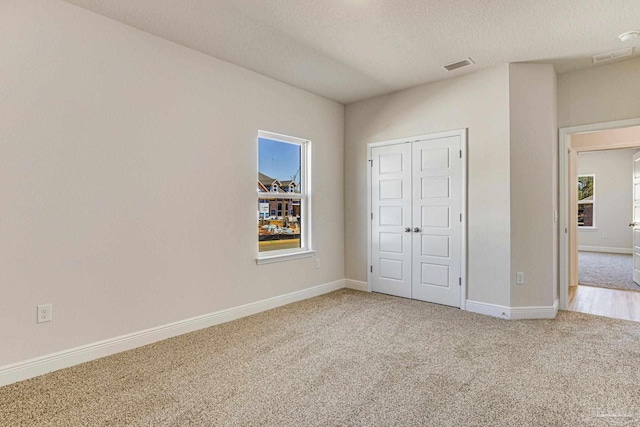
[391, 217]
[437, 227]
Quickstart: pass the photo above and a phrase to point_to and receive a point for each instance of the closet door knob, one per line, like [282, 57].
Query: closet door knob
[407, 229]
[416, 230]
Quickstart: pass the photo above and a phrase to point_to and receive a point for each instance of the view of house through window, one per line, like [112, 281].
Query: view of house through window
[586, 191]
[281, 193]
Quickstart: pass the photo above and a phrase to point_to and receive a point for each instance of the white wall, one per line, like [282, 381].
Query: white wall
[534, 197]
[599, 94]
[479, 102]
[613, 199]
[128, 180]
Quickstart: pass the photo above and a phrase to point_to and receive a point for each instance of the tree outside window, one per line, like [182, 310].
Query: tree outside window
[586, 200]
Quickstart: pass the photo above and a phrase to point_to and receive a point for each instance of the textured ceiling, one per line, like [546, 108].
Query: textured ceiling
[348, 50]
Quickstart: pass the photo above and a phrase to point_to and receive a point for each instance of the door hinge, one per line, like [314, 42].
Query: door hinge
[459, 281]
[371, 268]
[371, 162]
[460, 217]
[460, 153]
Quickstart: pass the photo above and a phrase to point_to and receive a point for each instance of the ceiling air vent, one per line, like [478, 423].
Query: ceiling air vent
[610, 56]
[458, 64]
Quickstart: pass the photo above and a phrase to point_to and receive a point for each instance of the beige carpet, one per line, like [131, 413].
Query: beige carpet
[605, 270]
[354, 359]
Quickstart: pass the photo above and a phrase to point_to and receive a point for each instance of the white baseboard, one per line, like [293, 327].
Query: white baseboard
[52, 362]
[488, 309]
[513, 313]
[540, 312]
[605, 249]
[356, 284]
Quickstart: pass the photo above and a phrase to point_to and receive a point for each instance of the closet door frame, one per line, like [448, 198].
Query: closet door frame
[462, 133]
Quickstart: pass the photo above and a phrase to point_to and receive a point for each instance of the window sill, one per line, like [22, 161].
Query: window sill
[587, 228]
[270, 259]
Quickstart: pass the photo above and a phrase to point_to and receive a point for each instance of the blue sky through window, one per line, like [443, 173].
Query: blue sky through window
[278, 159]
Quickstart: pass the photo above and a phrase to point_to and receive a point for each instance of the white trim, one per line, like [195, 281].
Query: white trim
[357, 285]
[488, 309]
[270, 259]
[540, 312]
[605, 249]
[369, 213]
[563, 209]
[601, 126]
[616, 146]
[563, 182]
[63, 359]
[513, 313]
[306, 237]
[281, 137]
[463, 134]
[463, 249]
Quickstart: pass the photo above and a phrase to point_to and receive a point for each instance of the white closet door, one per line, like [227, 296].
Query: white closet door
[437, 215]
[391, 209]
[636, 218]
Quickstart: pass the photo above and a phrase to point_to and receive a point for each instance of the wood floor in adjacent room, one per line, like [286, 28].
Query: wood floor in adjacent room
[614, 303]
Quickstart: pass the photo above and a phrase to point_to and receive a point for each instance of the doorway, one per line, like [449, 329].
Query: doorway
[417, 202]
[605, 208]
[597, 170]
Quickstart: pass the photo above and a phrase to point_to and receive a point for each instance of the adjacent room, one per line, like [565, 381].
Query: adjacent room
[348, 212]
[607, 174]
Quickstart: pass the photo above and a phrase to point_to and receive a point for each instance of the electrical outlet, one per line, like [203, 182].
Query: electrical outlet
[317, 262]
[519, 278]
[45, 313]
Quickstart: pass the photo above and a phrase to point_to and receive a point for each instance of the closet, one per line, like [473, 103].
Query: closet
[417, 213]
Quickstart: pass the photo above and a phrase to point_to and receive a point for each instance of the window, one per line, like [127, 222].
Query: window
[284, 230]
[586, 199]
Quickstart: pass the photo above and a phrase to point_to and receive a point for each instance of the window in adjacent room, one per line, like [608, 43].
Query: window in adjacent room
[586, 200]
[284, 229]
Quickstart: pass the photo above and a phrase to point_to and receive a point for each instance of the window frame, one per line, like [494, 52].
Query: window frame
[304, 197]
[591, 202]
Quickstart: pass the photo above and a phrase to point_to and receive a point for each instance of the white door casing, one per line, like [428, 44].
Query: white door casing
[566, 181]
[636, 218]
[417, 218]
[391, 216]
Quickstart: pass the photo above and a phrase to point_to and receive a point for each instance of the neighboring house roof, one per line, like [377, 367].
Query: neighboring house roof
[265, 182]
